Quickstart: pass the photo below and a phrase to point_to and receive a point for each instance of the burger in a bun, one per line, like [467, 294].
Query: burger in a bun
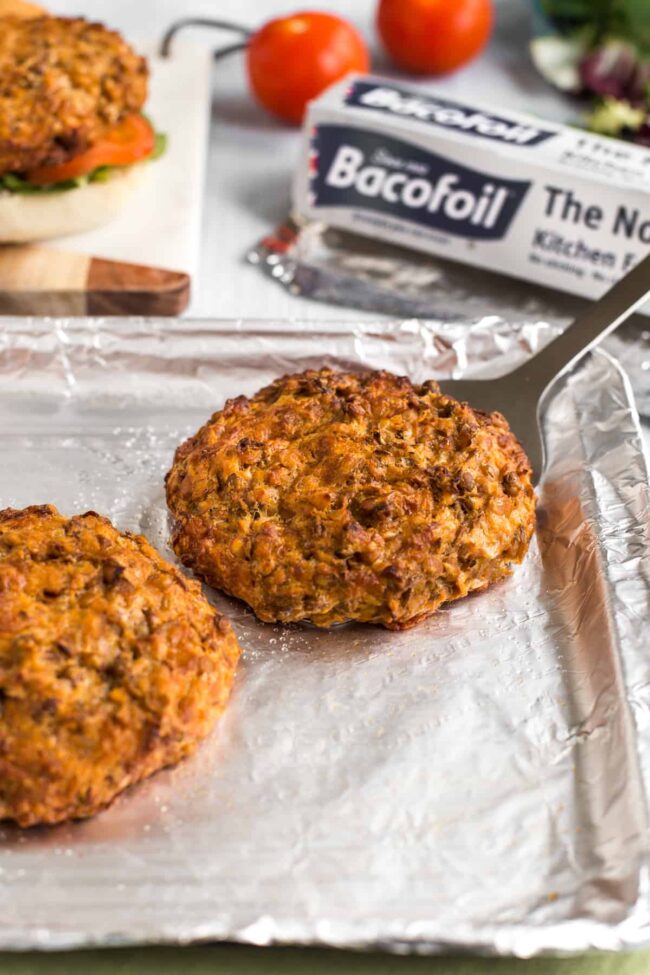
[73, 139]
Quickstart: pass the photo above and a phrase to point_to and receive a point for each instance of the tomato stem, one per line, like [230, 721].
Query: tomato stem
[179, 25]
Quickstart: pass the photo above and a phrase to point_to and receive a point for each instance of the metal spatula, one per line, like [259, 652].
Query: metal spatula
[522, 395]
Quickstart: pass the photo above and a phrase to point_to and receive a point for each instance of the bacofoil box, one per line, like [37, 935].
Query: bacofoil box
[480, 185]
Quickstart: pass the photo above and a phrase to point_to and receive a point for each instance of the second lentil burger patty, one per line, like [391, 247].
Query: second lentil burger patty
[63, 83]
[331, 497]
[112, 664]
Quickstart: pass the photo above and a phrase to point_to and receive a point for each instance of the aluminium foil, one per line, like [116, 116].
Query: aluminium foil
[479, 782]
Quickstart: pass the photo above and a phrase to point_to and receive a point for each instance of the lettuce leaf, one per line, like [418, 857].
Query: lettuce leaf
[16, 184]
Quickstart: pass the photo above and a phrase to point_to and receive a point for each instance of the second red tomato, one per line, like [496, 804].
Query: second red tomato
[434, 36]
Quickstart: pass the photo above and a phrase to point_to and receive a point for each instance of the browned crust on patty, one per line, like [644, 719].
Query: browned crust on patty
[112, 664]
[20, 8]
[332, 496]
[63, 83]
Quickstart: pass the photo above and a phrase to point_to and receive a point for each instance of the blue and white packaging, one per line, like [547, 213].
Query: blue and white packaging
[484, 186]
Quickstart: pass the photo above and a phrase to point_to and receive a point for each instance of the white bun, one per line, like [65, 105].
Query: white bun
[25, 217]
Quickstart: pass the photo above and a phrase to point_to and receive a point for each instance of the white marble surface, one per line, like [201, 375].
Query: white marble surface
[251, 156]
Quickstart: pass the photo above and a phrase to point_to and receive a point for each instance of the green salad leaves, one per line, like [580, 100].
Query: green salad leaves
[599, 49]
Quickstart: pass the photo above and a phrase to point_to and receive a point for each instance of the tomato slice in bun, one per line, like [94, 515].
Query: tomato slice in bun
[129, 142]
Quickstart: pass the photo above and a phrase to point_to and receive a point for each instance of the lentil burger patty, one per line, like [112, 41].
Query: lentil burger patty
[112, 664]
[63, 83]
[330, 497]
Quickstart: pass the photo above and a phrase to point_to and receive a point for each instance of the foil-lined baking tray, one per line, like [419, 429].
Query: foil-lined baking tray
[337, 267]
[479, 782]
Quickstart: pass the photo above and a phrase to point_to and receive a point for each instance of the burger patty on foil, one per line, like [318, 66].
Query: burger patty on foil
[112, 664]
[330, 496]
[63, 83]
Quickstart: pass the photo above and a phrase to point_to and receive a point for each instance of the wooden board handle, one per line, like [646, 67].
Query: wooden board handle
[42, 281]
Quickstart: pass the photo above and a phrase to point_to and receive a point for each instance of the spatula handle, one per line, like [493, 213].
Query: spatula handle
[589, 328]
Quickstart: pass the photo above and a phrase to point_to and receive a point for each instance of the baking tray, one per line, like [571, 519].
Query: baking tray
[479, 782]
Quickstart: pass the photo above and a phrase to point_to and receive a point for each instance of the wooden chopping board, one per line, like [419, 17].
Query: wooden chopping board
[161, 225]
[45, 281]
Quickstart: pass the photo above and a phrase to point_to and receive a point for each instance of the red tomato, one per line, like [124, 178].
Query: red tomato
[130, 141]
[293, 59]
[434, 36]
